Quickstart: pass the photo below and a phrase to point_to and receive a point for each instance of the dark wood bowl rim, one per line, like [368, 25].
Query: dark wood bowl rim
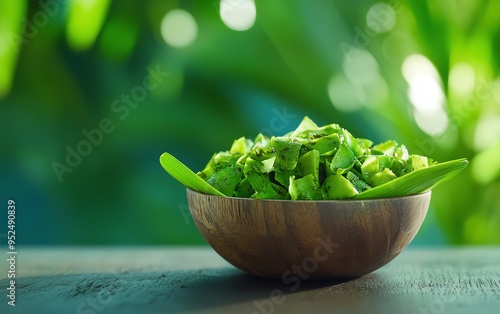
[312, 201]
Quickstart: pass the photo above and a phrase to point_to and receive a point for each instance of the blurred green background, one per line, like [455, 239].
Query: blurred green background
[93, 91]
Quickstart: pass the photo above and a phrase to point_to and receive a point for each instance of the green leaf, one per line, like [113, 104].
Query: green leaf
[184, 175]
[416, 182]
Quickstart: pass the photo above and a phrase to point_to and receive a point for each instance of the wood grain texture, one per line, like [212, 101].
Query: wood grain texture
[325, 239]
[197, 280]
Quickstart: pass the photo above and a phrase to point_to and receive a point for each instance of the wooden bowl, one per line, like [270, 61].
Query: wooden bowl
[308, 239]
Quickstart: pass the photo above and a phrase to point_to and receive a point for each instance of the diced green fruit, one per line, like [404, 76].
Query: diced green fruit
[385, 161]
[268, 165]
[251, 165]
[352, 143]
[303, 128]
[365, 143]
[308, 164]
[297, 164]
[226, 180]
[387, 148]
[223, 160]
[325, 145]
[287, 153]
[337, 187]
[261, 153]
[358, 183]
[370, 167]
[382, 177]
[398, 167]
[416, 162]
[244, 189]
[261, 140]
[264, 166]
[326, 130]
[242, 160]
[283, 192]
[306, 188]
[241, 146]
[343, 160]
[262, 186]
[401, 153]
[283, 177]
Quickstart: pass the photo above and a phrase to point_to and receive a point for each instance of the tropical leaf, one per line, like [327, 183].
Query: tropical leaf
[416, 182]
[184, 175]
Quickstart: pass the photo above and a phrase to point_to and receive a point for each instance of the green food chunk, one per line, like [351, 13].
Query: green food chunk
[353, 144]
[416, 162]
[262, 186]
[343, 160]
[304, 129]
[326, 145]
[387, 148]
[364, 143]
[287, 153]
[401, 153]
[311, 162]
[306, 188]
[358, 183]
[337, 187]
[226, 180]
[308, 164]
[283, 177]
[382, 177]
[369, 167]
[244, 189]
[241, 146]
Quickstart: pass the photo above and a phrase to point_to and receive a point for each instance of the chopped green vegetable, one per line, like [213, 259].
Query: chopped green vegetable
[382, 177]
[314, 163]
[337, 187]
[343, 160]
[226, 180]
[306, 188]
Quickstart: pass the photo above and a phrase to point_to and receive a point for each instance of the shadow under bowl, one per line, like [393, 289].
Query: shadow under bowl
[336, 239]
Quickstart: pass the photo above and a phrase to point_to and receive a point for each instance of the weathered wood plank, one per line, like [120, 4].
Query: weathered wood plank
[197, 280]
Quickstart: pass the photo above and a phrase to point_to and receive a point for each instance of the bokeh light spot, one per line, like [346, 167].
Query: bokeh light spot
[426, 94]
[361, 67]
[433, 123]
[462, 79]
[416, 65]
[179, 28]
[381, 18]
[487, 157]
[238, 15]
[345, 95]
[487, 132]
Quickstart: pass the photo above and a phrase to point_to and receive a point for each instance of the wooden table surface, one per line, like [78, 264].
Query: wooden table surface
[196, 280]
